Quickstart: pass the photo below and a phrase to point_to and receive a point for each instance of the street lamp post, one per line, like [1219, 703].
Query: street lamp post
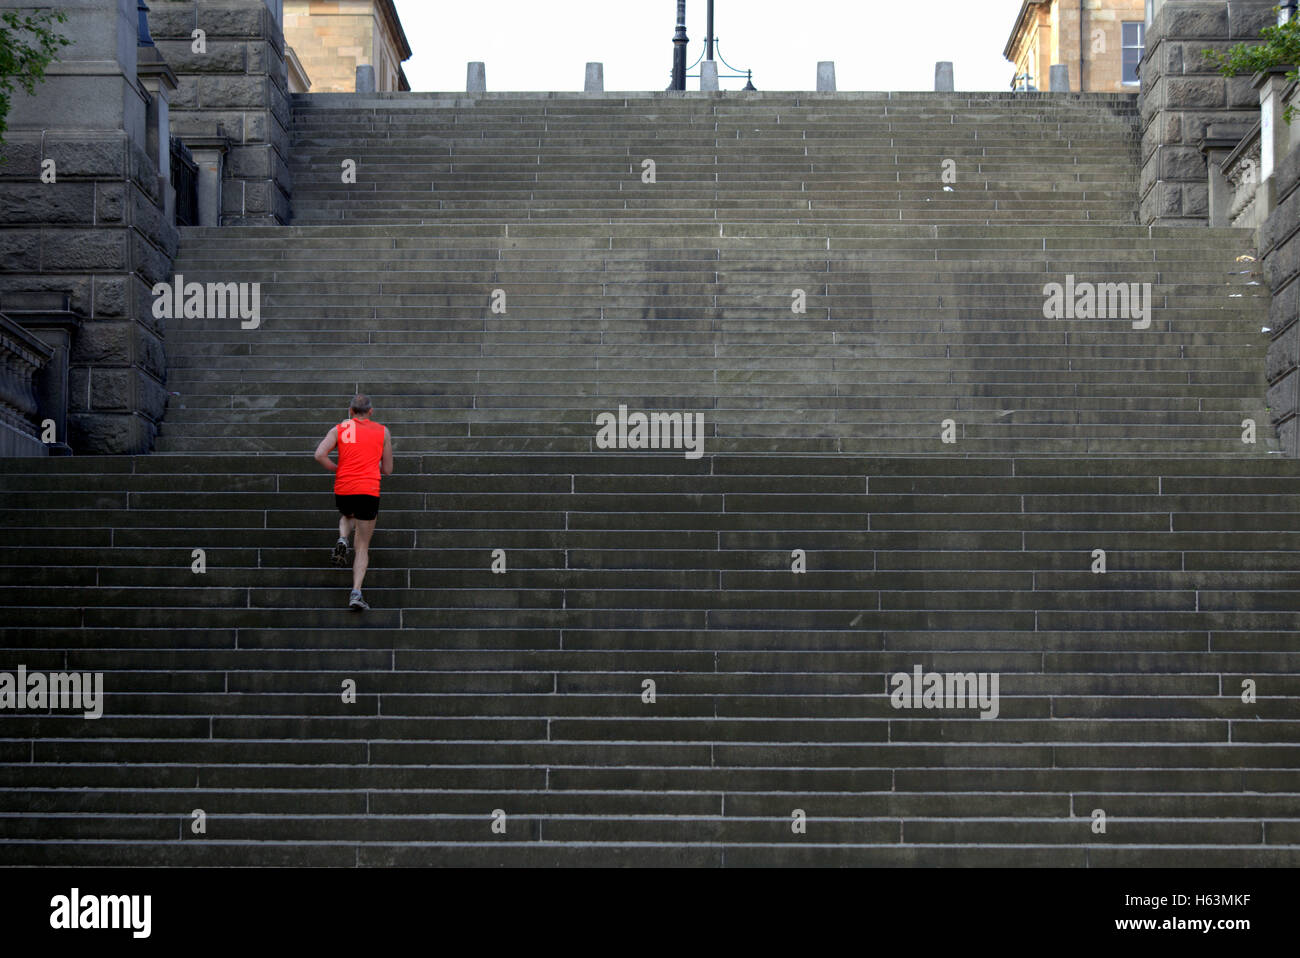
[712, 49]
[708, 40]
[679, 48]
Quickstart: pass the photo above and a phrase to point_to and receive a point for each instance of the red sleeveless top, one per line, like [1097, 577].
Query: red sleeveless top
[361, 448]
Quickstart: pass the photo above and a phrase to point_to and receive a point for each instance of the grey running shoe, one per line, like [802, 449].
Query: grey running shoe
[357, 603]
[340, 554]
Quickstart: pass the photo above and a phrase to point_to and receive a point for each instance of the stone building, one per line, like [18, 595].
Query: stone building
[332, 39]
[1105, 51]
[1188, 105]
[157, 117]
[84, 203]
[231, 107]
[141, 126]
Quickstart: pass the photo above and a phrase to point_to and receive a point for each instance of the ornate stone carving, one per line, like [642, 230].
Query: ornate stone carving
[21, 357]
[1242, 173]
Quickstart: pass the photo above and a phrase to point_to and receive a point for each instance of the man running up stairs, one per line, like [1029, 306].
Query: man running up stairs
[365, 448]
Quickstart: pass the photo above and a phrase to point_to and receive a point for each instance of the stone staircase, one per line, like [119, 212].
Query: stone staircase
[523, 692]
[788, 159]
[921, 304]
[905, 327]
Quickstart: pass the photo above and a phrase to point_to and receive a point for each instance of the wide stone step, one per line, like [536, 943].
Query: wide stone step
[789, 236]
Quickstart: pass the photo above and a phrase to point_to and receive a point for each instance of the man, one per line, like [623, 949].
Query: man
[365, 448]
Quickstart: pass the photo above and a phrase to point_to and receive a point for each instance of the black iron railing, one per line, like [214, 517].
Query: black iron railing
[734, 74]
[185, 179]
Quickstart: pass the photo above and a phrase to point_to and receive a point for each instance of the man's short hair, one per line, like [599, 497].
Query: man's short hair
[360, 404]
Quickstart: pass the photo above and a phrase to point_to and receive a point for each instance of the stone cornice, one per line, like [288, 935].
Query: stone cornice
[1021, 18]
[388, 10]
[295, 66]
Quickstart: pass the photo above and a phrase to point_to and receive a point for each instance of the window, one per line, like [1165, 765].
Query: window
[1135, 35]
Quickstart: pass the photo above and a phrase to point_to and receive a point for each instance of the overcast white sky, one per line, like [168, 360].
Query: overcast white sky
[545, 44]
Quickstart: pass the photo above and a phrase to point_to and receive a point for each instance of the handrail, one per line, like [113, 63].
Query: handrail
[738, 75]
[718, 43]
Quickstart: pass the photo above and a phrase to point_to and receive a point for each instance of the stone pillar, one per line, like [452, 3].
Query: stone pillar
[1059, 78]
[1274, 131]
[228, 57]
[365, 78]
[1183, 93]
[943, 77]
[476, 77]
[1216, 150]
[826, 76]
[98, 233]
[157, 77]
[709, 75]
[594, 82]
[209, 154]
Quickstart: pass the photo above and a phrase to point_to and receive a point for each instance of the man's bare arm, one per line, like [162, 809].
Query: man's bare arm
[326, 447]
[387, 462]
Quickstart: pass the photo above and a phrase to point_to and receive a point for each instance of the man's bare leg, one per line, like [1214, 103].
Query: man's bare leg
[340, 554]
[361, 548]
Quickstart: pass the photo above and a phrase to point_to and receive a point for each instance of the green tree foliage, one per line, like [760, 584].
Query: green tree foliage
[28, 44]
[1281, 47]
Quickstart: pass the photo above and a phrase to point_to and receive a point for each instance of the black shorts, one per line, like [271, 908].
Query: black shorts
[364, 508]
